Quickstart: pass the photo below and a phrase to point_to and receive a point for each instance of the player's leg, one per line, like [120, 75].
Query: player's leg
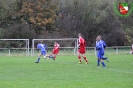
[105, 58]
[83, 51]
[52, 55]
[55, 56]
[83, 55]
[79, 57]
[44, 54]
[102, 62]
[38, 58]
[100, 55]
[98, 62]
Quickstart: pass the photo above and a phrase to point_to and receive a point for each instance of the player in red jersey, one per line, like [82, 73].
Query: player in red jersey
[82, 49]
[131, 52]
[55, 51]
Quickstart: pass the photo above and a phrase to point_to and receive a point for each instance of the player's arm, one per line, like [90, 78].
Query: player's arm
[78, 45]
[104, 44]
[80, 42]
[38, 46]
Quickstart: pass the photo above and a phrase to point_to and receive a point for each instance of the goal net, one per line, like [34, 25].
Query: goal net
[14, 47]
[68, 46]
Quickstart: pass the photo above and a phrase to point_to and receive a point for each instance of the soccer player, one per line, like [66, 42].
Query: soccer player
[43, 48]
[131, 52]
[55, 51]
[82, 49]
[100, 51]
[104, 46]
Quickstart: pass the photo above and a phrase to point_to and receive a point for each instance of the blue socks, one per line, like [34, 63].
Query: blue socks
[103, 64]
[38, 59]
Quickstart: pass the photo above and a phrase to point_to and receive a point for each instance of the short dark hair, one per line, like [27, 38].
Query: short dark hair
[39, 41]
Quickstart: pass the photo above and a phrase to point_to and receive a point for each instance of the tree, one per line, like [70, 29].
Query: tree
[18, 31]
[5, 12]
[91, 18]
[39, 14]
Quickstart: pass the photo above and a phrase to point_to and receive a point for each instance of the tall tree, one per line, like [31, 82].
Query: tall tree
[39, 14]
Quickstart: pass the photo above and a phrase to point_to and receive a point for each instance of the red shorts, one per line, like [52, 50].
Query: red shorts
[82, 50]
[55, 51]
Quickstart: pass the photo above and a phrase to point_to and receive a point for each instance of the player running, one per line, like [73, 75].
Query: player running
[82, 49]
[104, 45]
[55, 51]
[43, 48]
[100, 51]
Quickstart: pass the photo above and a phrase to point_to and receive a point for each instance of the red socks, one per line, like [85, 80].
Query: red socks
[85, 59]
[80, 60]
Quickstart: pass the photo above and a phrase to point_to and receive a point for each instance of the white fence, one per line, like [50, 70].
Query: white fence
[117, 50]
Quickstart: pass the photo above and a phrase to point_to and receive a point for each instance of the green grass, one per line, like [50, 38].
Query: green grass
[65, 72]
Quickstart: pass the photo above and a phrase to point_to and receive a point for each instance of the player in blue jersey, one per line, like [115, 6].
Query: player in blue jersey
[43, 48]
[104, 45]
[100, 51]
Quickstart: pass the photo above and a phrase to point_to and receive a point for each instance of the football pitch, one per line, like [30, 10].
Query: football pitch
[65, 72]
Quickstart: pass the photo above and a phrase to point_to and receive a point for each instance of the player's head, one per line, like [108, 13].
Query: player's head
[55, 42]
[79, 35]
[99, 36]
[39, 42]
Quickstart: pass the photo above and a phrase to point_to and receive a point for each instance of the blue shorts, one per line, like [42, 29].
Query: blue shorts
[100, 54]
[43, 53]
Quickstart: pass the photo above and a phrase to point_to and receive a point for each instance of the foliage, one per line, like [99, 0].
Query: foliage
[92, 18]
[16, 31]
[5, 9]
[39, 14]
[128, 40]
[68, 18]
[6, 12]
